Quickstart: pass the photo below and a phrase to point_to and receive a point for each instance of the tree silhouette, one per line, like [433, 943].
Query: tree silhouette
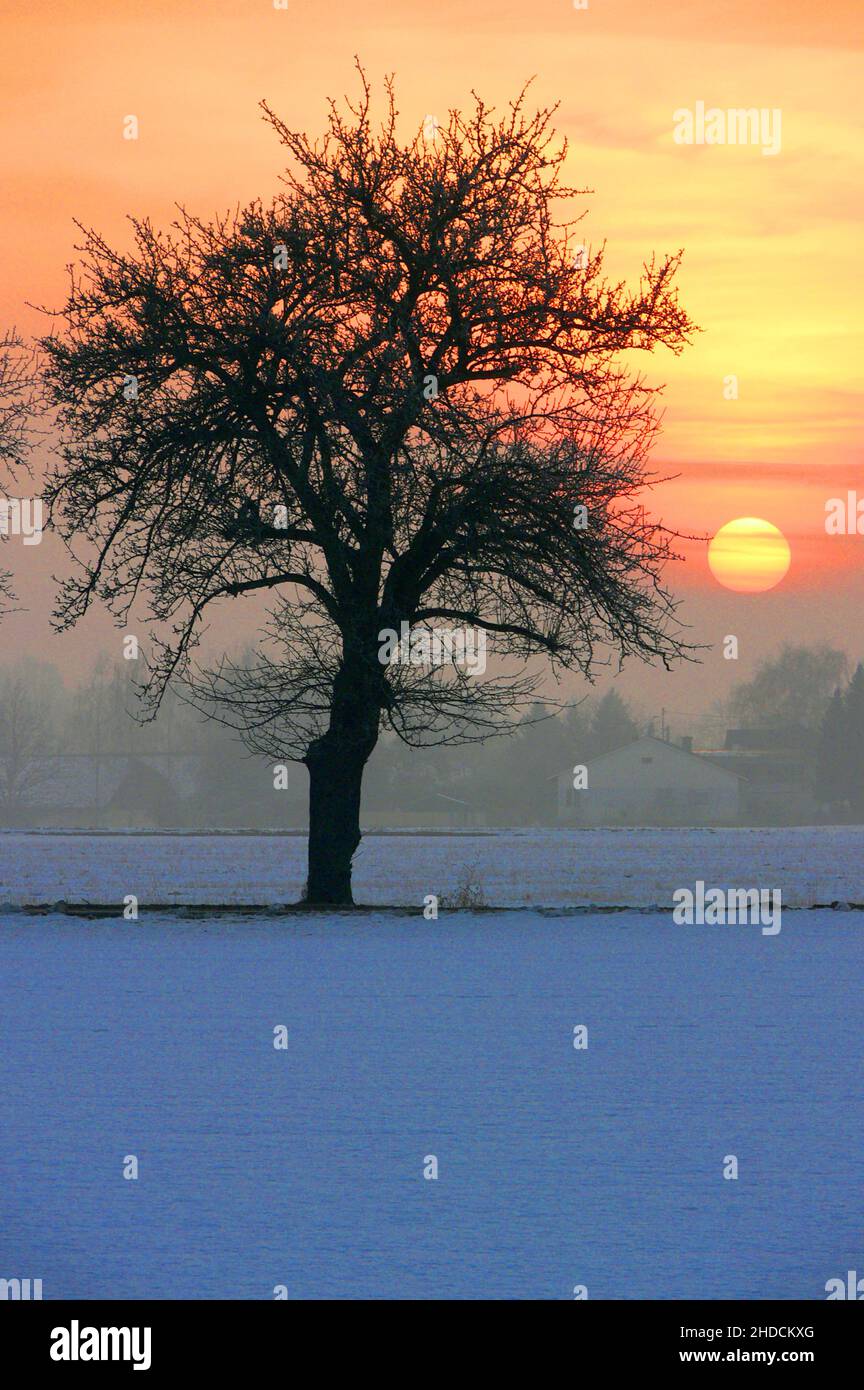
[28, 701]
[792, 687]
[393, 395]
[830, 772]
[854, 728]
[612, 725]
[839, 772]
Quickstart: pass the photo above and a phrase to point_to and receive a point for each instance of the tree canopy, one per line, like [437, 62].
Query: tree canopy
[392, 395]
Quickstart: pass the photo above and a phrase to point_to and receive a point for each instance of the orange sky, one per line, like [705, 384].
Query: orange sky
[772, 264]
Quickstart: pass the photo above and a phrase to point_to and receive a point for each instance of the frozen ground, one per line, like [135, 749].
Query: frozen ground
[406, 1038]
[304, 1167]
[639, 868]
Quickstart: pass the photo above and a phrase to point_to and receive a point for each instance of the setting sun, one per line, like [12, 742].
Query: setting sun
[749, 555]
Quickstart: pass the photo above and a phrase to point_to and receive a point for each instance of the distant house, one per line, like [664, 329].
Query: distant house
[106, 789]
[650, 782]
[776, 764]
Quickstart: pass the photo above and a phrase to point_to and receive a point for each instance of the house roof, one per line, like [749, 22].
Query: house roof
[776, 738]
[668, 747]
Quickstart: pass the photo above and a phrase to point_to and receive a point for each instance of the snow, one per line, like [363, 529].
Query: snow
[303, 1167]
[638, 868]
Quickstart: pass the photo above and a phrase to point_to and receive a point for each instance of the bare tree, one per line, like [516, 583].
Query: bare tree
[383, 399]
[794, 687]
[27, 733]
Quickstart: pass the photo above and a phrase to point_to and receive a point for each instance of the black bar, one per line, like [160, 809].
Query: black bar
[220, 1338]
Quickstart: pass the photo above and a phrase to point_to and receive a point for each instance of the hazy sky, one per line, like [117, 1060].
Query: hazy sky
[772, 264]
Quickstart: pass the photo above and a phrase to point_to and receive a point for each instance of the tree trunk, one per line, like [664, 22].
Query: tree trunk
[335, 762]
[335, 780]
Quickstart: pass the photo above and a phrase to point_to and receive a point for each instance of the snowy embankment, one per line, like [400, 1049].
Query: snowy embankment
[534, 868]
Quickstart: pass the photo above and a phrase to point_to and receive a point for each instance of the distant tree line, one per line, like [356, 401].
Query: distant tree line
[840, 768]
[807, 691]
[503, 782]
[41, 720]
[791, 688]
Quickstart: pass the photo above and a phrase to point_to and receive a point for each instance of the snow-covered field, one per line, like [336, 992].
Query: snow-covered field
[637, 868]
[303, 1166]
